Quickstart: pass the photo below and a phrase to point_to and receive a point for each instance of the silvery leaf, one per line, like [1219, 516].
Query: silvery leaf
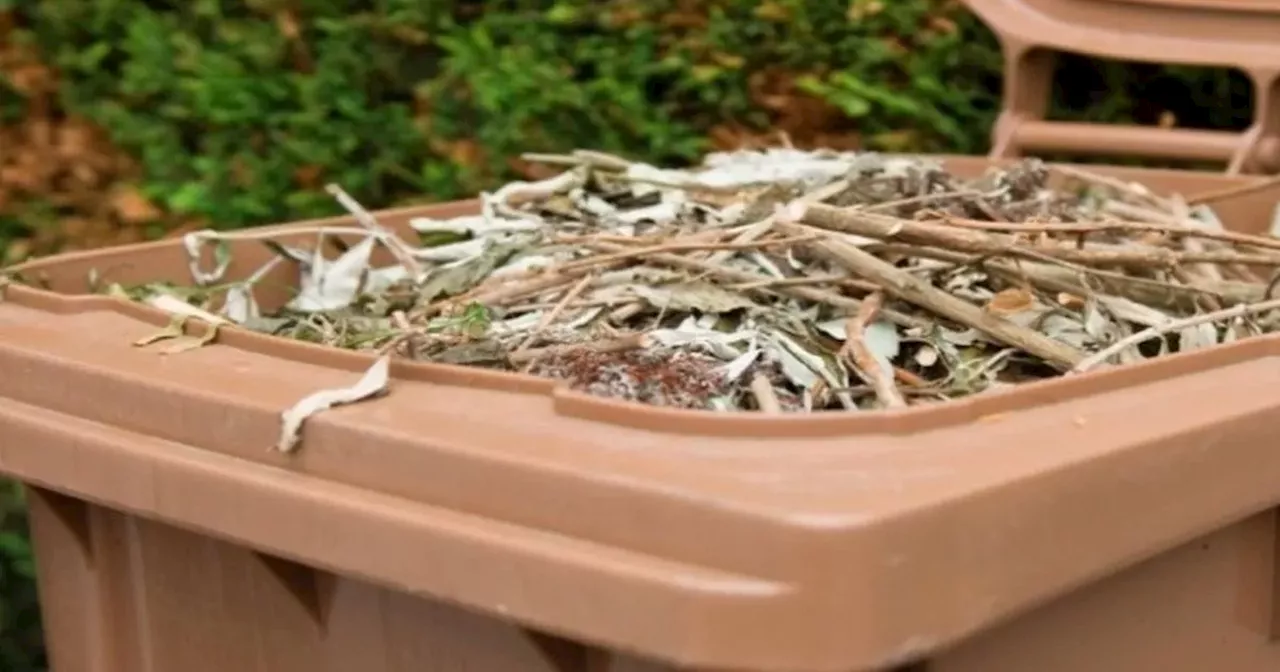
[380, 279]
[240, 306]
[334, 284]
[802, 367]
[884, 342]
[834, 328]
[717, 343]
[518, 324]
[1197, 337]
[1132, 311]
[733, 370]
[686, 296]
[960, 338]
[373, 382]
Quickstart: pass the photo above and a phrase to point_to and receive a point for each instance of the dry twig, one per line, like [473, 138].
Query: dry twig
[856, 350]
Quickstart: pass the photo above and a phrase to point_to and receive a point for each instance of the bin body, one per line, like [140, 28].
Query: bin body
[123, 593]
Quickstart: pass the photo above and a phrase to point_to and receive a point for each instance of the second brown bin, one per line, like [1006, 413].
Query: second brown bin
[475, 521]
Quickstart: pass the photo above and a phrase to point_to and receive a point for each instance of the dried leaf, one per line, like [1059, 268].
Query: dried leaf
[520, 324]
[1132, 311]
[331, 285]
[194, 243]
[476, 352]
[798, 369]
[372, 383]
[183, 343]
[172, 330]
[379, 280]
[465, 274]
[961, 339]
[239, 305]
[834, 328]
[1070, 301]
[1011, 301]
[740, 364]
[176, 306]
[689, 333]
[1066, 328]
[803, 367]
[884, 342]
[1197, 337]
[703, 297]
[467, 249]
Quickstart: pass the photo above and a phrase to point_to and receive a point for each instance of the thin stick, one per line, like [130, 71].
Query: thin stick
[1091, 177]
[1131, 340]
[274, 232]
[553, 281]
[924, 233]
[555, 312]
[920, 200]
[828, 279]
[765, 225]
[863, 360]
[602, 159]
[399, 248]
[620, 344]
[1113, 227]
[1064, 277]
[553, 159]
[1130, 211]
[1234, 191]
[765, 396]
[681, 247]
[905, 286]
[908, 378]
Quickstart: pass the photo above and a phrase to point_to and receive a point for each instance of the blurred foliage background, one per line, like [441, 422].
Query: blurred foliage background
[123, 120]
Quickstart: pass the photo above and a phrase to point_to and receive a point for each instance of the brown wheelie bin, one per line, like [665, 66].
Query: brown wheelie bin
[471, 520]
[1119, 521]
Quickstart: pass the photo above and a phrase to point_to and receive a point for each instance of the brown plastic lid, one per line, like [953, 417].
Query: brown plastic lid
[815, 543]
[1227, 33]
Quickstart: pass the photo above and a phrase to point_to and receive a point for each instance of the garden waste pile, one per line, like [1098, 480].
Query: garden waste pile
[769, 281]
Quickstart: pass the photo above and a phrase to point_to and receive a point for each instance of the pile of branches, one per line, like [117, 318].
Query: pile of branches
[774, 281]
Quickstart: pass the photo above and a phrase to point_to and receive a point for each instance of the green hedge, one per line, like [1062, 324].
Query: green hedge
[238, 110]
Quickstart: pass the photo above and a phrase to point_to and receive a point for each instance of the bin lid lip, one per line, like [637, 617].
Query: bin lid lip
[620, 414]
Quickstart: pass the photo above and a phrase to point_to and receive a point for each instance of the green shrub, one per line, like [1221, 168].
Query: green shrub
[238, 110]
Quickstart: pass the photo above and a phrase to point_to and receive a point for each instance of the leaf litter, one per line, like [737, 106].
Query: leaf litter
[774, 280]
